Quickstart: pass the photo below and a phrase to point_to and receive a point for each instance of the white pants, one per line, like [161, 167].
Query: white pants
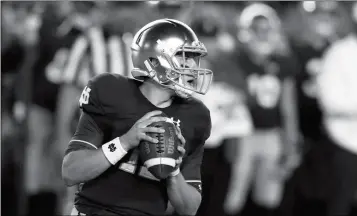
[258, 167]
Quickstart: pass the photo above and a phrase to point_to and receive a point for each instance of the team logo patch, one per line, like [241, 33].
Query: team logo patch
[112, 147]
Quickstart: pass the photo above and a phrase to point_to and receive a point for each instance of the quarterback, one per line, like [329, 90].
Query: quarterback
[102, 157]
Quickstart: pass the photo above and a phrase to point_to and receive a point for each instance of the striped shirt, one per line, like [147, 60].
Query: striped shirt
[92, 53]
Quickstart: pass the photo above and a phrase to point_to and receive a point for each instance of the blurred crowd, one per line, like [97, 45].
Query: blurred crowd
[283, 100]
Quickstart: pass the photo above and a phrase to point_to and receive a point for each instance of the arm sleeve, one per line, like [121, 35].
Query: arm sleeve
[191, 168]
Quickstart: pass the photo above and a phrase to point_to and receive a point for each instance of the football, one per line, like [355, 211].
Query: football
[160, 158]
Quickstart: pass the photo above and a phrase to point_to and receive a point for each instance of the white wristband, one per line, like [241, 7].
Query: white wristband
[113, 151]
[175, 173]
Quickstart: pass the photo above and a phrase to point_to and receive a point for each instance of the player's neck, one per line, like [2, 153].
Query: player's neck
[157, 95]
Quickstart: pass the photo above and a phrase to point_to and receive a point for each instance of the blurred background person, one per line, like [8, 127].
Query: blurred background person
[336, 87]
[269, 70]
[311, 27]
[15, 60]
[22, 23]
[230, 122]
[225, 99]
[40, 168]
[320, 25]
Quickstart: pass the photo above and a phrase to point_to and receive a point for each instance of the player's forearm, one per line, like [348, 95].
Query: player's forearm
[83, 165]
[183, 197]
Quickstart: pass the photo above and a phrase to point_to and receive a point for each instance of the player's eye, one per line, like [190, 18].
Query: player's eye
[190, 81]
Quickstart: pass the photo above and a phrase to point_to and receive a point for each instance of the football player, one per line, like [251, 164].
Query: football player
[102, 156]
[268, 74]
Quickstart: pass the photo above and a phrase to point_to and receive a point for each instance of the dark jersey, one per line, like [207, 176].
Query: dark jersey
[264, 88]
[113, 104]
[45, 88]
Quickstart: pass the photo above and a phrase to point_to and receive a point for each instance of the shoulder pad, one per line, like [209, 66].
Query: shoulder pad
[98, 96]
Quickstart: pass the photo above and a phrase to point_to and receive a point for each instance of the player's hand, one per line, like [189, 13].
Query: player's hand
[138, 131]
[180, 148]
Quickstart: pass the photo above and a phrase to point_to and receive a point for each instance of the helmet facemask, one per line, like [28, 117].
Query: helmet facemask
[174, 69]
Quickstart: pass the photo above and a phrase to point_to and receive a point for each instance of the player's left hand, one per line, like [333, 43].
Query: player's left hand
[180, 148]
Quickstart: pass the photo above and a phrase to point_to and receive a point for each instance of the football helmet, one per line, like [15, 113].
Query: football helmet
[157, 49]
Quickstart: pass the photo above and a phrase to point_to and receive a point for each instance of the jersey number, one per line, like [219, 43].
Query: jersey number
[84, 99]
[266, 89]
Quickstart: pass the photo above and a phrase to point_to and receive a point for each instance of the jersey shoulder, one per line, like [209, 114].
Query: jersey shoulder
[201, 116]
[200, 109]
[104, 92]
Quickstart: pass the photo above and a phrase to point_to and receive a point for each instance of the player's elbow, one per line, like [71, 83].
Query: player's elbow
[68, 173]
[194, 208]
[191, 211]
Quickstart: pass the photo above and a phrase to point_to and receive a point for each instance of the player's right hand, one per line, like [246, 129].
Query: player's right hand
[138, 131]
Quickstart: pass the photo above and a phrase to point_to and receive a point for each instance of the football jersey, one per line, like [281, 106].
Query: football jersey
[115, 103]
[264, 88]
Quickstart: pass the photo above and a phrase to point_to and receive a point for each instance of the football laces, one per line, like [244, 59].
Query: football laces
[160, 148]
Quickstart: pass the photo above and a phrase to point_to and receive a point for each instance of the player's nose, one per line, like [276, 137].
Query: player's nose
[191, 63]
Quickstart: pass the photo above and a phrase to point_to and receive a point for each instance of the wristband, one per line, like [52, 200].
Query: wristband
[175, 173]
[113, 151]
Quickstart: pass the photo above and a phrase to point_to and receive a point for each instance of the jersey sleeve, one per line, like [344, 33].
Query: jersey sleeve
[191, 168]
[95, 100]
[87, 136]
[95, 121]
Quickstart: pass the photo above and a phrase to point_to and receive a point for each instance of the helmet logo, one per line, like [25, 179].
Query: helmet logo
[168, 47]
